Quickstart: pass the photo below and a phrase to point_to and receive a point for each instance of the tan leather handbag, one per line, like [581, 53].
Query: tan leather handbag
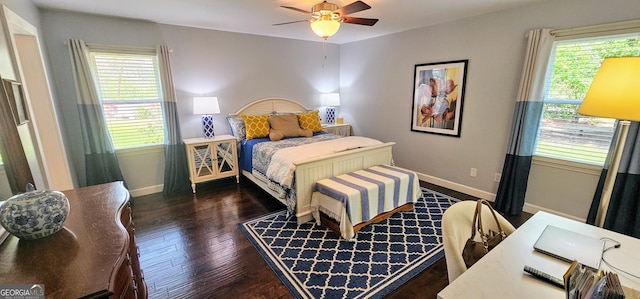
[474, 250]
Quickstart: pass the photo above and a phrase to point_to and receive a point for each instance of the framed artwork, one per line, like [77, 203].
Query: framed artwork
[438, 93]
[13, 91]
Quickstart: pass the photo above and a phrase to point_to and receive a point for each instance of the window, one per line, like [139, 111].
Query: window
[564, 134]
[130, 92]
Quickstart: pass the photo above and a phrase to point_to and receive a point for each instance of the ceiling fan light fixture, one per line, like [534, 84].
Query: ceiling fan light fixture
[323, 8]
[325, 27]
[326, 17]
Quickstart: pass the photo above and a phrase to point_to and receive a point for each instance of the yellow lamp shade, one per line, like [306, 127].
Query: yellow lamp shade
[325, 27]
[615, 90]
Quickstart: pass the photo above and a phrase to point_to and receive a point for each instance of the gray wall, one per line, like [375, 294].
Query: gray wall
[237, 68]
[374, 77]
[377, 89]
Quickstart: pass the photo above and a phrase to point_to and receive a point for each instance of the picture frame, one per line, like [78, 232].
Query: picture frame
[15, 96]
[438, 94]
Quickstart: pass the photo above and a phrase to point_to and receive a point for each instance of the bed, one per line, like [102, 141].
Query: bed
[309, 170]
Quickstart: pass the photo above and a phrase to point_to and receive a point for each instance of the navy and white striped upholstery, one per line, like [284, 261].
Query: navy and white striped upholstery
[359, 196]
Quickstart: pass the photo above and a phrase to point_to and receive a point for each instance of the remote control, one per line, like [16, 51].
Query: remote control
[544, 276]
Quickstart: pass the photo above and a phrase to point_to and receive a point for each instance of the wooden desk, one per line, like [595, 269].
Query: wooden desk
[94, 255]
[499, 274]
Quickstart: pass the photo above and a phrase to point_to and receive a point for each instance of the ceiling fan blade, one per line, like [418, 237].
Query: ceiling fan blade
[285, 23]
[360, 21]
[296, 9]
[352, 8]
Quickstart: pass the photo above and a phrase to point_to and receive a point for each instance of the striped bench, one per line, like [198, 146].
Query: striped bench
[348, 202]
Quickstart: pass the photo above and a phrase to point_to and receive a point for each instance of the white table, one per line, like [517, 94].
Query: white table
[500, 273]
[211, 158]
[338, 129]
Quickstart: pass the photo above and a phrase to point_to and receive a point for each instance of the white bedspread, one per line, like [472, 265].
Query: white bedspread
[282, 167]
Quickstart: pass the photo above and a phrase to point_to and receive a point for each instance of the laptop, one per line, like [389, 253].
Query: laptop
[569, 246]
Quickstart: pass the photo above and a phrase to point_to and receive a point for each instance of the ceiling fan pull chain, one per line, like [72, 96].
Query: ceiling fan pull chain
[324, 51]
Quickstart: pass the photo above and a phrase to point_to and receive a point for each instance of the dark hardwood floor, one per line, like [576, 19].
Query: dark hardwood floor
[191, 247]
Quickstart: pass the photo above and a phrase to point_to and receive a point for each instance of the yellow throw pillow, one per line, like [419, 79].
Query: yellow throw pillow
[310, 121]
[257, 126]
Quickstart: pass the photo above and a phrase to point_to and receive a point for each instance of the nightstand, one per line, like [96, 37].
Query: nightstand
[211, 159]
[338, 129]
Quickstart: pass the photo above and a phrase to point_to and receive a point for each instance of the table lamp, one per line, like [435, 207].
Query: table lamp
[206, 106]
[614, 93]
[330, 100]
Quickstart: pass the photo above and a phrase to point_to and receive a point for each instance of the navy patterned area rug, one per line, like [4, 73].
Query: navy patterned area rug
[314, 262]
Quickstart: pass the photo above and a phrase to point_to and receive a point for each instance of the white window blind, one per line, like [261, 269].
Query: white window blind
[130, 92]
[564, 134]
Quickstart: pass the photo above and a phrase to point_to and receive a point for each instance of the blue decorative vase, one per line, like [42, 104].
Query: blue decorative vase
[331, 115]
[34, 214]
[207, 126]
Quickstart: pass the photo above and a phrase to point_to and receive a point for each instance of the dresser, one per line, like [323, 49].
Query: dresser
[212, 158]
[93, 256]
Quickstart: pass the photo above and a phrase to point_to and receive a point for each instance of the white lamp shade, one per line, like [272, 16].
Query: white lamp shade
[325, 27]
[205, 105]
[330, 99]
[615, 90]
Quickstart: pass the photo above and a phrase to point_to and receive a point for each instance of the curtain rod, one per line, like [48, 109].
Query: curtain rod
[594, 30]
[118, 47]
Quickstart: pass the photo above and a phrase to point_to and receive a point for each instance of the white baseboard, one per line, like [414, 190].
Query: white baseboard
[529, 208]
[146, 190]
[532, 209]
[457, 187]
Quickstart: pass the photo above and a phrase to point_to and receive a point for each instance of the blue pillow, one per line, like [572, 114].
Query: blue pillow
[237, 127]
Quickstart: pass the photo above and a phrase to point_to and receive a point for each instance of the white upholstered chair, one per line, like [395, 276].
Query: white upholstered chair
[456, 230]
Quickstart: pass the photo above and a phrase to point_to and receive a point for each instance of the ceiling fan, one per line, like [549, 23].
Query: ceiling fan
[326, 17]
